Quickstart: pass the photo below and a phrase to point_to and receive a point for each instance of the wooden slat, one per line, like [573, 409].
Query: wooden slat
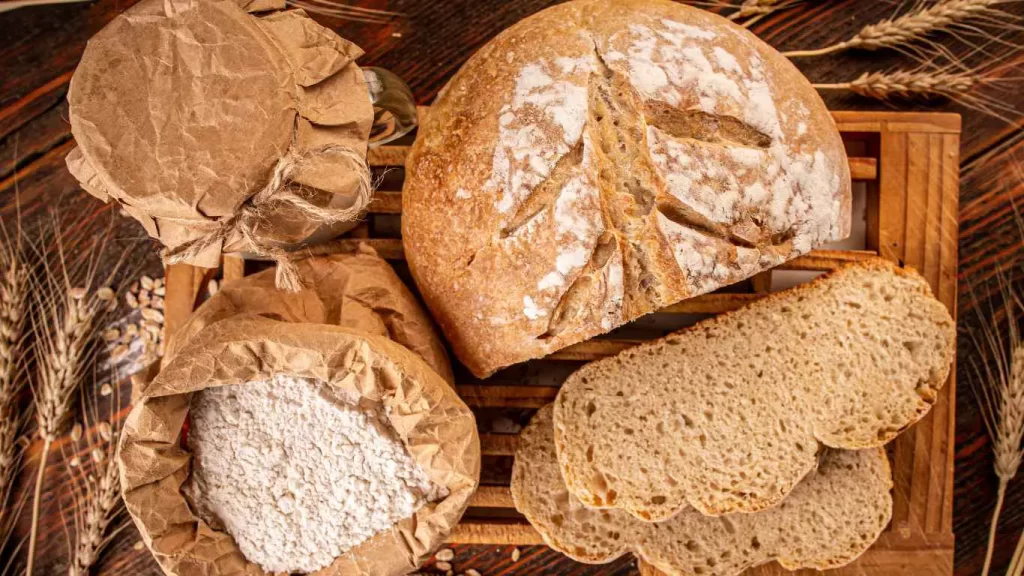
[182, 285]
[947, 294]
[861, 168]
[498, 444]
[816, 260]
[233, 268]
[484, 396]
[472, 531]
[492, 497]
[897, 122]
[593, 349]
[711, 303]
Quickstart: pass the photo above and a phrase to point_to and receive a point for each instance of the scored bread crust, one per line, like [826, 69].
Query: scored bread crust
[727, 415]
[829, 520]
[600, 160]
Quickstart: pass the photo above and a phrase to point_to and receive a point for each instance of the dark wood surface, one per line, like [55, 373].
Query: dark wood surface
[40, 46]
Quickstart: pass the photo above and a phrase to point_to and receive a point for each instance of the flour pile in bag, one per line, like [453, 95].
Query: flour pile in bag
[296, 475]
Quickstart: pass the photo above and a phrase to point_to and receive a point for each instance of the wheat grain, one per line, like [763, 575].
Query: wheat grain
[903, 31]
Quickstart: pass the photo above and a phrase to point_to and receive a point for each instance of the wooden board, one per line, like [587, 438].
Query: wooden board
[909, 165]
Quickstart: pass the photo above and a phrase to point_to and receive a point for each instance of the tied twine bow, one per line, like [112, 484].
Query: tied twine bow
[248, 217]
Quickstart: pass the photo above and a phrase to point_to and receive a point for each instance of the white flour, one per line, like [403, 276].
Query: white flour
[296, 476]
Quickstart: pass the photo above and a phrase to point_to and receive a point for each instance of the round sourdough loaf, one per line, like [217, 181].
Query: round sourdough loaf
[600, 160]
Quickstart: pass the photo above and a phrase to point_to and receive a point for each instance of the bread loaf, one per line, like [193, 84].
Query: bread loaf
[727, 415]
[831, 517]
[601, 160]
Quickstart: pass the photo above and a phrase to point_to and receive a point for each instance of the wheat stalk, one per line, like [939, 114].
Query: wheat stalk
[998, 368]
[925, 83]
[96, 495]
[64, 324]
[903, 31]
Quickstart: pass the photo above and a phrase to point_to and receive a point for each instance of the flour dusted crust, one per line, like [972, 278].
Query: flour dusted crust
[600, 160]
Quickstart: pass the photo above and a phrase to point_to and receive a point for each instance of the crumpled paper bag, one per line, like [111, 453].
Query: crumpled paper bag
[356, 290]
[223, 126]
[436, 426]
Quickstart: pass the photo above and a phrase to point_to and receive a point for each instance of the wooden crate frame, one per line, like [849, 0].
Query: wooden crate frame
[911, 167]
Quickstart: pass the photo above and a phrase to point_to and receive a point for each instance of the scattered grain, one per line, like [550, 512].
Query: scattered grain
[147, 282]
[441, 565]
[151, 314]
[445, 555]
[78, 293]
[515, 554]
[76, 432]
[131, 300]
[97, 455]
[105, 430]
[112, 335]
[105, 293]
[106, 390]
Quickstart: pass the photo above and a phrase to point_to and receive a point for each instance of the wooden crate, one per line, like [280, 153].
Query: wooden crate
[908, 163]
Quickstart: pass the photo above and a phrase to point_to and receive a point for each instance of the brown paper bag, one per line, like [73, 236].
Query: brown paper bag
[222, 127]
[429, 418]
[357, 290]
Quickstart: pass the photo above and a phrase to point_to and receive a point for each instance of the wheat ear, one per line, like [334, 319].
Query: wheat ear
[754, 10]
[998, 368]
[95, 487]
[13, 303]
[924, 84]
[64, 323]
[903, 31]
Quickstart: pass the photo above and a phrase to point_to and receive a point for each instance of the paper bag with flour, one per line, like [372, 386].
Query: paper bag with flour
[345, 333]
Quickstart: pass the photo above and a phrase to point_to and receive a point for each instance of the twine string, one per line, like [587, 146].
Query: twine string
[250, 215]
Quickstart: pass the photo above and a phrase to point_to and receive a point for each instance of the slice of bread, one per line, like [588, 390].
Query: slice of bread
[828, 520]
[726, 416]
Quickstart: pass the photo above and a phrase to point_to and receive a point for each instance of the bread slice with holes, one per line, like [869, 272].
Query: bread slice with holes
[727, 415]
[828, 520]
[645, 153]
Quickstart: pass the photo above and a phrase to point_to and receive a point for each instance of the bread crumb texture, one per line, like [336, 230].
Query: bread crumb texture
[646, 153]
[296, 475]
[828, 520]
[728, 415]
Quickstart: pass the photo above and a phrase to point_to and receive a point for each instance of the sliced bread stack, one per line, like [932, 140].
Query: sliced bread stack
[741, 413]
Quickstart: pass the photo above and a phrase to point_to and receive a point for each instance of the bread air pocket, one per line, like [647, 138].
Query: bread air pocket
[730, 414]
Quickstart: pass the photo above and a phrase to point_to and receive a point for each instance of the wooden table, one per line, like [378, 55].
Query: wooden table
[39, 48]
